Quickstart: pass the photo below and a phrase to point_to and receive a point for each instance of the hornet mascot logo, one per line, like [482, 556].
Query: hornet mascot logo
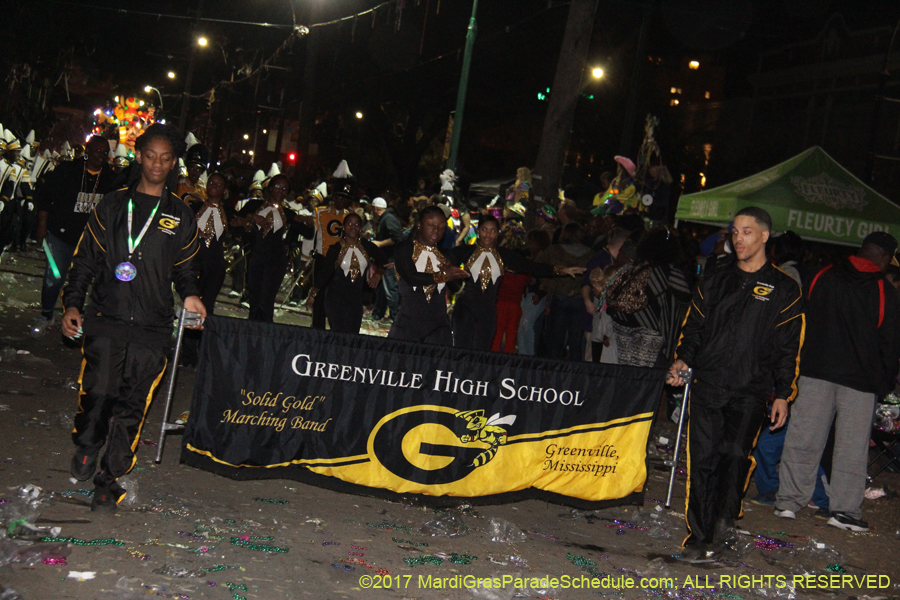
[485, 430]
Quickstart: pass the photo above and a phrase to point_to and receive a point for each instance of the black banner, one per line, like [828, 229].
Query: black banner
[277, 401]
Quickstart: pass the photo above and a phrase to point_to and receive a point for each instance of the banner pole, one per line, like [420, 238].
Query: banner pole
[166, 426]
[684, 402]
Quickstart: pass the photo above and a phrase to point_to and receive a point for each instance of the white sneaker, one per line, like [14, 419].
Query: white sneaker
[39, 328]
[234, 294]
[785, 514]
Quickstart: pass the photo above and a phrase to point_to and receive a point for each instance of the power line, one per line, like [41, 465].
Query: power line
[294, 27]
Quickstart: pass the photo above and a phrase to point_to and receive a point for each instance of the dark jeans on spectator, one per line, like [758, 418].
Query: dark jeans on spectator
[564, 333]
[387, 296]
[62, 254]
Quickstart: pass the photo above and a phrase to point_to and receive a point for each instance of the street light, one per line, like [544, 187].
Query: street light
[149, 88]
[171, 74]
[246, 137]
[597, 73]
[202, 41]
[359, 115]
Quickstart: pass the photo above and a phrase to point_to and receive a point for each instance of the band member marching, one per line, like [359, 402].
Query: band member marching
[475, 310]
[343, 270]
[423, 273]
[210, 261]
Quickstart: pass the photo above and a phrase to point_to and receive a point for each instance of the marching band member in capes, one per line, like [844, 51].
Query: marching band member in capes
[475, 310]
[423, 273]
[268, 255]
[138, 242]
[344, 272]
[191, 186]
[210, 261]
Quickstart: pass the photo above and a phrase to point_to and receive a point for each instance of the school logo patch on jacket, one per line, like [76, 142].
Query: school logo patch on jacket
[762, 290]
[168, 223]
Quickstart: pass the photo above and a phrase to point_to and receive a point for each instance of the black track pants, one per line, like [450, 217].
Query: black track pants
[721, 436]
[118, 379]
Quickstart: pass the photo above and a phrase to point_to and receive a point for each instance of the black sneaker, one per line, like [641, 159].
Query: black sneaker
[697, 554]
[847, 523]
[823, 513]
[107, 499]
[83, 465]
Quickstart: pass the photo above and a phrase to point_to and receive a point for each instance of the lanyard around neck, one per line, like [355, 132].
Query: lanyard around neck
[133, 243]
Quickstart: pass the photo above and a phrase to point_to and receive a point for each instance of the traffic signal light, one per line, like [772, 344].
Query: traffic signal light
[292, 157]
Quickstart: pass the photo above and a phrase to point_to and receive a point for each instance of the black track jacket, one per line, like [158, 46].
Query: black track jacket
[854, 327]
[743, 333]
[162, 257]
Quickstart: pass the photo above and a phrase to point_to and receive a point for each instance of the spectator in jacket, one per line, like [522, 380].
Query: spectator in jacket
[389, 234]
[741, 336]
[849, 360]
[568, 320]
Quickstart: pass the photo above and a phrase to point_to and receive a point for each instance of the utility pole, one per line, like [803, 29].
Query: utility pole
[186, 96]
[563, 97]
[307, 115]
[636, 77]
[463, 87]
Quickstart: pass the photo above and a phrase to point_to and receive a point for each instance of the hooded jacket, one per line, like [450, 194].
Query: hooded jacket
[853, 333]
[743, 333]
[163, 257]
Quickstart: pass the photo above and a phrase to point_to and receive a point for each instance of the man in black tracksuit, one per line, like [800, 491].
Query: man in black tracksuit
[742, 338]
[138, 242]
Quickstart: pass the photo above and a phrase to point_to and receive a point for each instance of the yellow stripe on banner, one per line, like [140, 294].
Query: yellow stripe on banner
[598, 461]
[304, 462]
[577, 428]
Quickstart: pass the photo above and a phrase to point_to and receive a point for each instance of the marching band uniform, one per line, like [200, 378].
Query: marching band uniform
[475, 310]
[267, 261]
[329, 223]
[423, 306]
[343, 271]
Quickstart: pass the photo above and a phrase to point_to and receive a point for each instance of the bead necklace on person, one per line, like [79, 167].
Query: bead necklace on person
[126, 271]
[96, 181]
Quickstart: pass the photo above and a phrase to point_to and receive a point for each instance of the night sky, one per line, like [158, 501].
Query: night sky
[382, 65]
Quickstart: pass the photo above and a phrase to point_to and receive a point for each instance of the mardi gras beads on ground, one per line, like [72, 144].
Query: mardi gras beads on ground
[411, 543]
[388, 525]
[236, 541]
[423, 560]
[77, 542]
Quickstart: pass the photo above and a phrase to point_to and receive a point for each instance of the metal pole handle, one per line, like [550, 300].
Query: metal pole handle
[187, 319]
[688, 377]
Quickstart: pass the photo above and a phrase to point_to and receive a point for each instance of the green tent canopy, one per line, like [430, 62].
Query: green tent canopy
[810, 194]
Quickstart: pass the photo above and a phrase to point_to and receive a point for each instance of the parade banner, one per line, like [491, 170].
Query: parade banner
[277, 401]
